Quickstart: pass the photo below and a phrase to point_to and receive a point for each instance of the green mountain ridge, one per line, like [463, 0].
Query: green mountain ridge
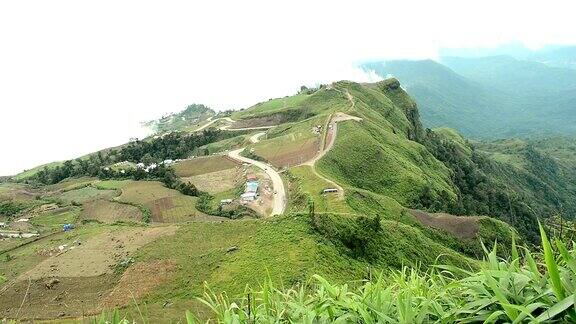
[402, 186]
[489, 97]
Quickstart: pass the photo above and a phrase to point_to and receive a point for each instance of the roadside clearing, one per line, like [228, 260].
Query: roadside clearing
[279, 197]
[328, 143]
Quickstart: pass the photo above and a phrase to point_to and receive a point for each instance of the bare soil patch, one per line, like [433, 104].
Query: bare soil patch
[98, 255]
[218, 181]
[202, 165]
[271, 120]
[138, 280]
[109, 212]
[55, 297]
[300, 154]
[160, 205]
[461, 226]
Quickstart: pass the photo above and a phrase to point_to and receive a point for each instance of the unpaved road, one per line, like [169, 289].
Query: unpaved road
[256, 137]
[227, 127]
[212, 121]
[328, 144]
[279, 198]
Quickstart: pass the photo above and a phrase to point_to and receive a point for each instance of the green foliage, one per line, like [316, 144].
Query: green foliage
[381, 243]
[175, 145]
[112, 318]
[383, 163]
[489, 97]
[208, 205]
[10, 208]
[146, 213]
[483, 188]
[272, 106]
[517, 290]
[184, 120]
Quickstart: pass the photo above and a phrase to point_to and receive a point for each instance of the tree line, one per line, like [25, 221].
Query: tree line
[176, 145]
[478, 191]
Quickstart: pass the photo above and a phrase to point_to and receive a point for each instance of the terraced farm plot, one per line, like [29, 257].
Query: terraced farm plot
[166, 205]
[111, 184]
[106, 211]
[55, 219]
[309, 182]
[86, 194]
[70, 184]
[202, 165]
[77, 280]
[16, 191]
[219, 181]
[292, 144]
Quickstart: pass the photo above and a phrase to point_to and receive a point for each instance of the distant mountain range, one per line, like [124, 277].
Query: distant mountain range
[493, 96]
[551, 55]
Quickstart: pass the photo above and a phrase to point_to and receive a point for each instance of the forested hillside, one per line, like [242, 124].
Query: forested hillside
[489, 97]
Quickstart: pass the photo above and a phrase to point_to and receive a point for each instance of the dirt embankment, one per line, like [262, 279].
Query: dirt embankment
[465, 227]
[266, 121]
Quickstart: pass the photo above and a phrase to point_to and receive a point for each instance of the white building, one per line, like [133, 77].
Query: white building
[249, 196]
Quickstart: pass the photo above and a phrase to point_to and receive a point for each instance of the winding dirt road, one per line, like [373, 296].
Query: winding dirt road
[227, 127]
[279, 199]
[327, 145]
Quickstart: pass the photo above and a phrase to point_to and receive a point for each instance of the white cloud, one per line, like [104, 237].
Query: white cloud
[76, 76]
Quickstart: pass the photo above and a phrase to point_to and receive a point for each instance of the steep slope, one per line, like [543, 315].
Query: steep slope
[386, 162]
[446, 98]
[489, 97]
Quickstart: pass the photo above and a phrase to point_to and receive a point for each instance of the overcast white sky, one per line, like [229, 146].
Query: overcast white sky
[77, 76]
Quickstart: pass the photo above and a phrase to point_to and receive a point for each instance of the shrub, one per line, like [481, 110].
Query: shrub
[517, 289]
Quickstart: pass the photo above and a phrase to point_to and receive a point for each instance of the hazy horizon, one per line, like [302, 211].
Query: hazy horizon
[79, 77]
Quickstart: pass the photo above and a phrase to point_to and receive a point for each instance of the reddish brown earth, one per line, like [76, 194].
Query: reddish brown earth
[137, 281]
[306, 152]
[158, 206]
[461, 226]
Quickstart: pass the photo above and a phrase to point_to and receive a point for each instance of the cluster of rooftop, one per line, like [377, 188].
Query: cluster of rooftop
[251, 191]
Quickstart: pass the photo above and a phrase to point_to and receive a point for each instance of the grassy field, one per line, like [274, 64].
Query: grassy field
[85, 194]
[166, 205]
[217, 181]
[403, 167]
[223, 145]
[271, 106]
[323, 101]
[30, 173]
[110, 212]
[18, 192]
[27, 256]
[54, 220]
[111, 184]
[314, 185]
[230, 255]
[202, 165]
[70, 184]
[514, 289]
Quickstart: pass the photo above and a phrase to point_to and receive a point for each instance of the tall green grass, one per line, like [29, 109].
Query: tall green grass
[526, 287]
